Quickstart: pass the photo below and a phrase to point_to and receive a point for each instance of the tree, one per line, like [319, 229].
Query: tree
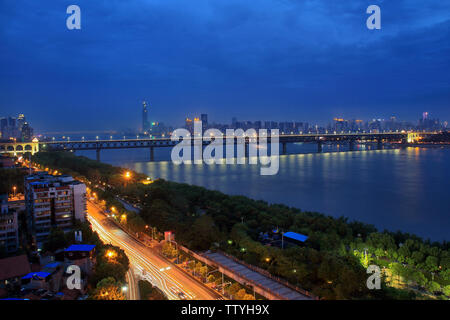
[240, 295]
[56, 240]
[234, 288]
[248, 297]
[108, 289]
[432, 263]
[447, 290]
[203, 233]
[169, 250]
[433, 286]
[137, 224]
[149, 292]
[204, 271]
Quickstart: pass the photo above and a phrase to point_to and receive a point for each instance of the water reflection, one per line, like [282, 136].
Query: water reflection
[404, 189]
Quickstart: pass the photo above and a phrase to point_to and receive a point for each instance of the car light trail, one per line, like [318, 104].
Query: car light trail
[138, 260]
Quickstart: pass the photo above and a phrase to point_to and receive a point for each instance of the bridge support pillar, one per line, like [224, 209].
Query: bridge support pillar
[351, 145]
[284, 148]
[152, 154]
[319, 146]
[97, 151]
[379, 144]
[404, 143]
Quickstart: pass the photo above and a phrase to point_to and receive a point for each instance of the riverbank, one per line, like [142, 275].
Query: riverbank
[331, 265]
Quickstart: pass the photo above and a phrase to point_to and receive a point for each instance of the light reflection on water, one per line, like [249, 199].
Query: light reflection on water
[399, 189]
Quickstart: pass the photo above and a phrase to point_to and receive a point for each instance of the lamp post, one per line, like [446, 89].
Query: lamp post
[223, 290]
[14, 189]
[176, 248]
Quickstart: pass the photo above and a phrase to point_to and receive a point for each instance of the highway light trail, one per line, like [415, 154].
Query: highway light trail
[139, 261]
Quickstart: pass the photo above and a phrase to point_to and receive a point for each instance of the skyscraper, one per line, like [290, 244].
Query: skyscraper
[204, 119]
[145, 123]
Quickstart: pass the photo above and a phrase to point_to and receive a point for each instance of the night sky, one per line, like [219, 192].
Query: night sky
[257, 60]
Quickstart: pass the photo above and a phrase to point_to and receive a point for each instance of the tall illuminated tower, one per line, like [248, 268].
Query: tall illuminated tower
[145, 123]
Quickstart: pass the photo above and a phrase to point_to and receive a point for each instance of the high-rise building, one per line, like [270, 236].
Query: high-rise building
[9, 226]
[53, 201]
[189, 125]
[145, 123]
[27, 132]
[12, 128]
[20, 121]
[233, 122]
[204, 119]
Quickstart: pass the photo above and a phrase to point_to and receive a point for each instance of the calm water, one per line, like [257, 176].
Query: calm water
[396, 189]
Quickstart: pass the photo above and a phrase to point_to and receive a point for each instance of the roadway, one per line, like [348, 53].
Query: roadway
[133, 289]
[147, 264]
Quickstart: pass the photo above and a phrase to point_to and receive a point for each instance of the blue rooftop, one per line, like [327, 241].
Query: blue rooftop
[36, 274]
[53, 265]
[295, 236]
[80, 247]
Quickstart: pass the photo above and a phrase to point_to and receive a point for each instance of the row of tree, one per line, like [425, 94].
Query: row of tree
[328, 266]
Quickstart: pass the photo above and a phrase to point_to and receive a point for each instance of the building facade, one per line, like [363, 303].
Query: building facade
[9, 226]
[53, 201]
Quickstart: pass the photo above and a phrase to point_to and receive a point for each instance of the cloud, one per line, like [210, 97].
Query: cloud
[220, 54]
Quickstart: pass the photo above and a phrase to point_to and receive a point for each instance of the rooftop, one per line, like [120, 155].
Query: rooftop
[80, 247]
[39, 274]
[14, 267]
[295, 236]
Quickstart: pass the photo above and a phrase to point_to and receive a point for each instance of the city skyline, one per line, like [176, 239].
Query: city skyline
[278, 61]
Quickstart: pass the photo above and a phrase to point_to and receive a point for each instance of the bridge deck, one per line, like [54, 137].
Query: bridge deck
[262, 280]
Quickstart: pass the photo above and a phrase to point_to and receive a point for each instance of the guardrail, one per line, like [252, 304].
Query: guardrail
[269, 275]
[249, 281]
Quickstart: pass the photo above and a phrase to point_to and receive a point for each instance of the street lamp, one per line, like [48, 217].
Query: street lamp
[14, 189]
[111, 254]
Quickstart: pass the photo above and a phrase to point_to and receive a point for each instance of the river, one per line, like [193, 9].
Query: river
[396, 189]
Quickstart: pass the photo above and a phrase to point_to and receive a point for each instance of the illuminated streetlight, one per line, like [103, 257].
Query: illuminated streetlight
[111, 254]
[14, 189]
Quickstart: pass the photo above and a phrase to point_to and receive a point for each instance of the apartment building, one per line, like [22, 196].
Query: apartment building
[53, 201]
[9, 226]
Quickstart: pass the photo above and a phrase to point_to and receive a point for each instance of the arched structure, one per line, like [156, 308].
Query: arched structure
[18, 148]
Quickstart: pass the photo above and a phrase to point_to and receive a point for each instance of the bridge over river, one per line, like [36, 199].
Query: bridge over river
[18, 148]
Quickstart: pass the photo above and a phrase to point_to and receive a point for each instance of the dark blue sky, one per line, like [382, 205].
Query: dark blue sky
[260, 59]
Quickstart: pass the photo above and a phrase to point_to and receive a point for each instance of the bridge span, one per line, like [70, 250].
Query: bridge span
[18, 148]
